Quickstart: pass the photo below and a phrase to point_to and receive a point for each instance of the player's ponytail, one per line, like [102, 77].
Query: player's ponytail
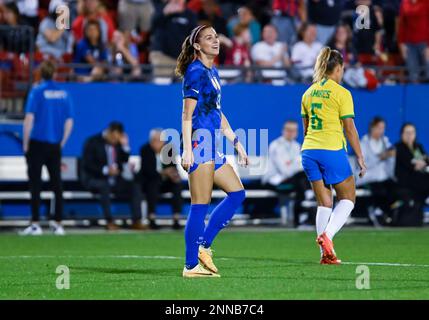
[326, 62]
[188, 51]
[185, 58]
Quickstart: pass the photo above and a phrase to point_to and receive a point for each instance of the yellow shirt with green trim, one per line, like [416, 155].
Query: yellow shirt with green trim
[325, 104]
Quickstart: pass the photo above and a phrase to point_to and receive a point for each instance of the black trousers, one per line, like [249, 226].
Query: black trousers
[154, 187]
[298, 183]
[384, 193]
[122, 189]
[38, 155]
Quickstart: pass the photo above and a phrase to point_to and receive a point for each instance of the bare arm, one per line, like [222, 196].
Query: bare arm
[188, 109]
[353, 138]
[68, 126]
[230, 135]
[305, 125]
[28, 126]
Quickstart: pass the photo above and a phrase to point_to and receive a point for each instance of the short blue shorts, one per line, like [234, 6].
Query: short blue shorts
[203, 154]
[331, 166]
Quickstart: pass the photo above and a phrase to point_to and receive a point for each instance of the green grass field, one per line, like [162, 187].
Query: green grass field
[255, 264]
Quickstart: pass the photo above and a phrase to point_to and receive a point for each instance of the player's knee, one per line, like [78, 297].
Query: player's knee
[327, 203]
[237, 197]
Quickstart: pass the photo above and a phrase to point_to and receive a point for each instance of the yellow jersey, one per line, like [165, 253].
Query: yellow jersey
[325, 104]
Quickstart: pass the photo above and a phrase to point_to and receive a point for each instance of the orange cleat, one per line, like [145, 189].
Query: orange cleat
[327, 246]
[326, 260]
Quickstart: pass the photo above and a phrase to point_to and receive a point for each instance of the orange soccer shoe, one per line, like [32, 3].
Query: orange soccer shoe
[327, 246]
[326, 260]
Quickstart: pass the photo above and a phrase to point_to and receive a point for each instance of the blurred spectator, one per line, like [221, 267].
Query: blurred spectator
[325, 14]
[239, 54]
[52, 41]
[210, 14]
[47, 126]
[368, 41]
[28, 10]
[15, 39]
[284, 173]
[170, 28]
[379, 156]
[124, 52]
[304, 52]
[245, 17]
[286, 16]
[135, 14]
[412, 162]
[92, 10]
[104, 171]
[158, 175]
[91, 50]
[413, 36]
[270, 53]
[390, 13]
[342, 41]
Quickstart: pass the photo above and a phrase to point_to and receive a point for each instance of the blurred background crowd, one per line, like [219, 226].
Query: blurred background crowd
[110, 38]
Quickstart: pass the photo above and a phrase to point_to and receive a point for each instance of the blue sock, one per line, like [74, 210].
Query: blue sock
[221, 215]
[194, 231]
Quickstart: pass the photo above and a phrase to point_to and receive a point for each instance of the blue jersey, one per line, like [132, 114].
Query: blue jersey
[203, 84]
[51, 107]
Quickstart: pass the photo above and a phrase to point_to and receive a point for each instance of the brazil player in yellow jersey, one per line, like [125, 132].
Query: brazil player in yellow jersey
[327, 112]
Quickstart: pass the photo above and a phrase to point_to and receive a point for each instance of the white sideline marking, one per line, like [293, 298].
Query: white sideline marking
[386, 264]
[382, 264]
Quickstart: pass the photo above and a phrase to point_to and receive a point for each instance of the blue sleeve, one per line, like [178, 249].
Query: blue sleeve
[32, 102]
[192, 83]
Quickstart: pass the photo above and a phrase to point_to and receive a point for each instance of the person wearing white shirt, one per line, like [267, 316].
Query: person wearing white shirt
[379, 156]
[285, 173]
[305, 51]
[270, 53]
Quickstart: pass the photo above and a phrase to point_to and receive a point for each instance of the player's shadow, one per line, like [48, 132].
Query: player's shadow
[142, 271]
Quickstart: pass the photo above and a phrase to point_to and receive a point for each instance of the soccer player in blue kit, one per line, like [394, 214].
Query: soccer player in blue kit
[203, 123]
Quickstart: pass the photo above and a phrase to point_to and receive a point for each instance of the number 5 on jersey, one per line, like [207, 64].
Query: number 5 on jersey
[316, 122]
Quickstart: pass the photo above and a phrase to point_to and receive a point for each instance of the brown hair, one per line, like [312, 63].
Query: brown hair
[187, 54]
[326, 62]
[239, 29]
[47, 69]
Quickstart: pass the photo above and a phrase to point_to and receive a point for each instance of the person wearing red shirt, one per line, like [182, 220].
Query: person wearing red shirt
[413, 36]
[92, 10]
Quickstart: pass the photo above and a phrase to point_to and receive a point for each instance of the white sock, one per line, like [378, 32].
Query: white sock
[339, 217]
[322, 219]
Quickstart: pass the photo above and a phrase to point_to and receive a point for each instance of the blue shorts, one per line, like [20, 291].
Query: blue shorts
[204, 153]
[331, 166]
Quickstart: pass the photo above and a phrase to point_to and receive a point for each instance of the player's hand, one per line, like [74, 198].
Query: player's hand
[362, 166]
[243, 159]
[25, 147]
[187, 159]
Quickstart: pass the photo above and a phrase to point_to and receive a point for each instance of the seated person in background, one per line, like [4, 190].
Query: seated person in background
[50, 40]
[379, 156]
[412, 163]
[239, 53]
[104, 170]
[305, 51]
[285, 173]
[91, 50]
[245, 16]
[158, 174]
[270, 53]
[123, 52]
[93, 10]
[170, 28]
[342, 41]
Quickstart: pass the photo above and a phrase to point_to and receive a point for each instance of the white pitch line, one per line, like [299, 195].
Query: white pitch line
[381, 264]
[386, 264]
